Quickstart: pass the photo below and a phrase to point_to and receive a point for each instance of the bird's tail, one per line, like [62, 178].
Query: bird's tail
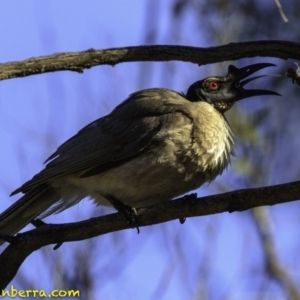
[27, 208]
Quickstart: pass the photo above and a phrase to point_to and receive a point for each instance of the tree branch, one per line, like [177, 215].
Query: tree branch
[25, 243]
[78, 61]
[280, 9]
[273, 265]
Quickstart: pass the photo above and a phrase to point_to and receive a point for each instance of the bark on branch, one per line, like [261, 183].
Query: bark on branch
[78, 61]
[26, 243]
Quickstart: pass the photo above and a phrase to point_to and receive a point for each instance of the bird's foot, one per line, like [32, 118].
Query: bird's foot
[39, 223]
[192, 196]
[127, 211]
[232, 207]
[182, 220]
[7, 238]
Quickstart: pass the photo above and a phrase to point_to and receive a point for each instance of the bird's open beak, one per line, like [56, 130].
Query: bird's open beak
[236, 76]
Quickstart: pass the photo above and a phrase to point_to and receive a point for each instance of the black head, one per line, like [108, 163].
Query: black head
[223, 91]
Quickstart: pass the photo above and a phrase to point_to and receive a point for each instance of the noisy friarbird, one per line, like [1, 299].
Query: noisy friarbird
[156, 145]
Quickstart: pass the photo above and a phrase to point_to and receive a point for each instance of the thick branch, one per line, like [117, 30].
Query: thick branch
[25, 243]
[78, 61]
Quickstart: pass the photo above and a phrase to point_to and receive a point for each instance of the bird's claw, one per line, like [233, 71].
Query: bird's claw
[182, 220]
[7, 238]
[39, 223]
[192, 196]
[127, 211]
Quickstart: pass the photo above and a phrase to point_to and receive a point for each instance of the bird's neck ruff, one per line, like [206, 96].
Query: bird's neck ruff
[220, 152]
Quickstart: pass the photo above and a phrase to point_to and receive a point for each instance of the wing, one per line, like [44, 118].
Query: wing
[128, 131]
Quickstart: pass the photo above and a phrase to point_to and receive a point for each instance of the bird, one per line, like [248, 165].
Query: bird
[156, 145]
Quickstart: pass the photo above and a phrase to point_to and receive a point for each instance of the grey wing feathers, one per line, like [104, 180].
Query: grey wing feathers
[31, 205]
[109, 141]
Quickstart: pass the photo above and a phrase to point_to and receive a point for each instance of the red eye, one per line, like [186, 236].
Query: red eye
[213, 85]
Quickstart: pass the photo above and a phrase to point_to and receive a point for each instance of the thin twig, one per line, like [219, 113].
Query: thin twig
[283, 16]
[273, 264]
